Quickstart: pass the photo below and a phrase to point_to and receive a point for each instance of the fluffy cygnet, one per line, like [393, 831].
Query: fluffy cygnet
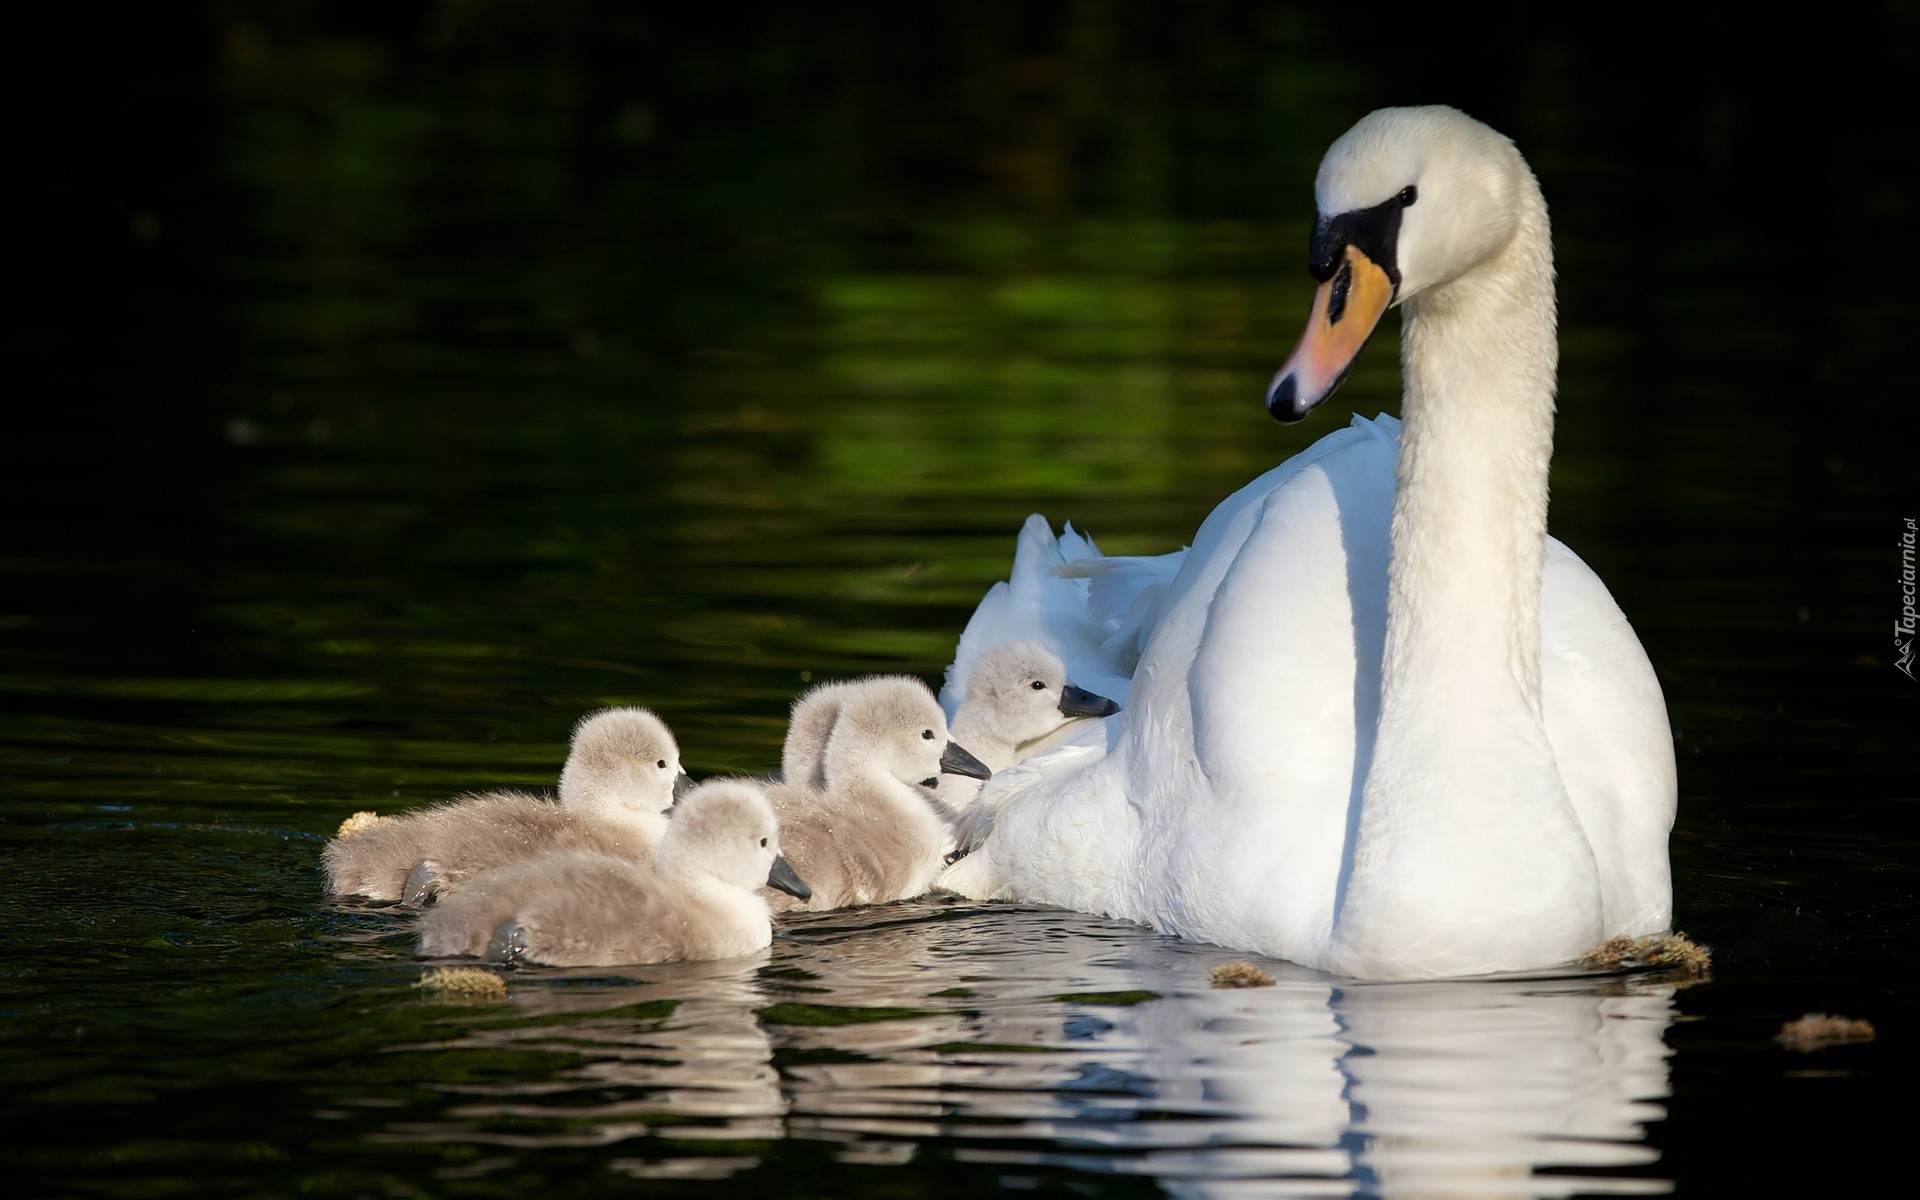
[699, 899]
[808, 725]
[622, 774]
[868, 833]
[1017, 699]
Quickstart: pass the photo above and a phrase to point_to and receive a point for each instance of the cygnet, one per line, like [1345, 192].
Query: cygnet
[1017, 701]
[870, 832]
[699, 899]
[622, 774]
[808, 725]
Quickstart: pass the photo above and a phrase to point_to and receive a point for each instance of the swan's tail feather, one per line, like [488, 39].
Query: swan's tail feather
[1125, 596]
[1076, 544]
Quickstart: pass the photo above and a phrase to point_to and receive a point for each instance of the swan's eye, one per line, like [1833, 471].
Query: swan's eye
[1408, 195]
[763, 841]
[927, 734]
[662, 764]
[1038, 686]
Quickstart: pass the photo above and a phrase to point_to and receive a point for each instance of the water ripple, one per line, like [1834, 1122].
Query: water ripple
[1011, 1036]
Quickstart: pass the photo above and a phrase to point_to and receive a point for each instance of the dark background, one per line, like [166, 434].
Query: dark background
[393, 382]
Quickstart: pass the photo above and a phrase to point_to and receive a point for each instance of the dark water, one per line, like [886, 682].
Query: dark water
[396, 382]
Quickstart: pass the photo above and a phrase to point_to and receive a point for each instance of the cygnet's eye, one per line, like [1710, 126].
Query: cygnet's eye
[927, 734]
[1408, 195]
[763, 841]
[662, 764]
[1039, 686]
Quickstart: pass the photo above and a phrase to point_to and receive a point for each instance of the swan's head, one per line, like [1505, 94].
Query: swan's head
[890, 725]
[725, 828]
[1410, 199]
[1018, 691]
[623, 758]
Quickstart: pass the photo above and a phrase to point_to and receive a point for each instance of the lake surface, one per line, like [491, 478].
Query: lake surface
[402, 382]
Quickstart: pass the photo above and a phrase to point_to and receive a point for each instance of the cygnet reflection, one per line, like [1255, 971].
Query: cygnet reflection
[679, 1040]
[857, 991]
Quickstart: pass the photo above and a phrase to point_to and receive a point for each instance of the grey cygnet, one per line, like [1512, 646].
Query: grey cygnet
[621, 775]
[700, 898]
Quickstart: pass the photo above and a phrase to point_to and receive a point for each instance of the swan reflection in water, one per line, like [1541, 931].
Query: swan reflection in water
[1040, 1039]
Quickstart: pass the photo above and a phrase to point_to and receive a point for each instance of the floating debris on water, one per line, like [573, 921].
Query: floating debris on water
[1679, 950]
[359, 823]
[1815, 1030]
[1239, 975]
[1673, 950]
[1609, 955]
[463, 983]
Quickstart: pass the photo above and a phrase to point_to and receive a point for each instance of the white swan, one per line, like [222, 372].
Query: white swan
[1381, 724]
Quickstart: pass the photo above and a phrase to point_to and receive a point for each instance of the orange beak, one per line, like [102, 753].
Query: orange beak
[1345, 310]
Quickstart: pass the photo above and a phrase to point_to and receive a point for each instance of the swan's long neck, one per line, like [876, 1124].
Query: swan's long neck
[1470, 510]
[1468, 856]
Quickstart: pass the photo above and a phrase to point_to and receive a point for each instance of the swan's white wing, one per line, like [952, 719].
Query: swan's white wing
[1219, 811]
[1276, 689]
[1607, 722]
[1126, 596]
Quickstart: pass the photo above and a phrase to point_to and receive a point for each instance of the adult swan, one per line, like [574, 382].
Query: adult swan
[1379, 723]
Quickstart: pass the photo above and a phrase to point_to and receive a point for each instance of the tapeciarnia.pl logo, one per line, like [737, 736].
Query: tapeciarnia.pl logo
[1904, 625]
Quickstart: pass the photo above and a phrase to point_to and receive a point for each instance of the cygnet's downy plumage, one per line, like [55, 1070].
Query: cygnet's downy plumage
[699, 899]
[808, 726]
[621, 776]
[870, 832]
[1018, 700]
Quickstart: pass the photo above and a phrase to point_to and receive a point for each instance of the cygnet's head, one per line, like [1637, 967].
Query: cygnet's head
[892, 726]
[1410, 199]
[808, 727]
[725, 829]
[623, 758]
[1019, 691]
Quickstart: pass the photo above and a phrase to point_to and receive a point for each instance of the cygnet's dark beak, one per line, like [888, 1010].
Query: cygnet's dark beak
[783, 878]
[682, 784]
[956, 761]
[1079, 702]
